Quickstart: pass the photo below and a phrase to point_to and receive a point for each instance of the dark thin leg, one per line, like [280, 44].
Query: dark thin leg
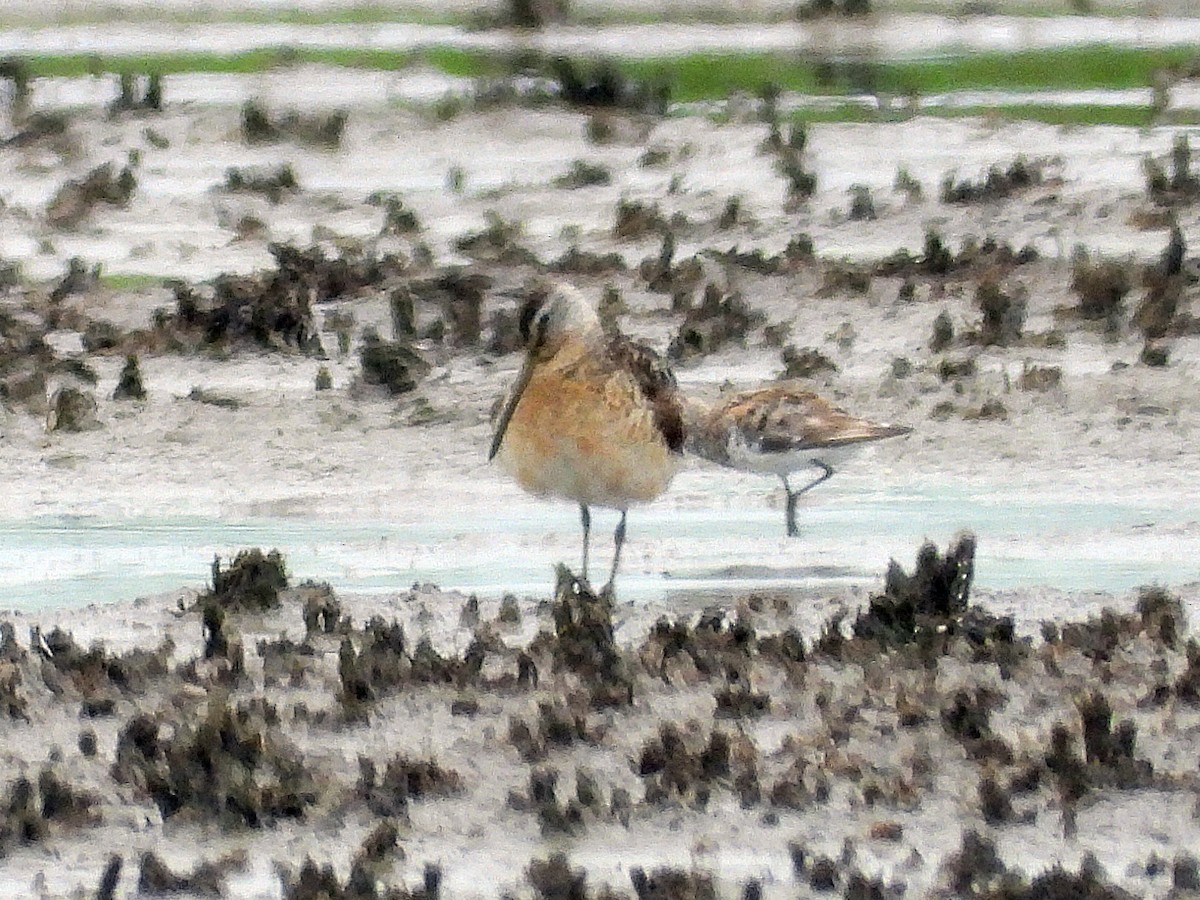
[792, 530]
[618, 542]
[586, 518]
[793, 496]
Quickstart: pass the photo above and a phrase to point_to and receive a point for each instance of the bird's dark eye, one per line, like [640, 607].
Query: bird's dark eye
[525, 322]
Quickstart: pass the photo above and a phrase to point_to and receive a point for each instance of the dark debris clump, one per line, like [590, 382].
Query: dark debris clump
[252, 581]
[75, 200]
[97, 676]
[394, 365]
[1101, 286]
[29, 810]
[998, 184]
[273, 308]
[403, 779]
[260, 127]
[233, 767]
[672, 884]
[603, 84]
[682, 766]
[977, 872]
[719, 319]
[583, 642]
[1157, 614]
[937, 592]
[554, 879]
[155, 877]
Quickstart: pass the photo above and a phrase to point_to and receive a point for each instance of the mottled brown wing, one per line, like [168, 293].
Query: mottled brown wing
[779, 419]
[656, 383]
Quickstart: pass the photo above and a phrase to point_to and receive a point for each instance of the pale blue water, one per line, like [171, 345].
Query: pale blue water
[73, 561]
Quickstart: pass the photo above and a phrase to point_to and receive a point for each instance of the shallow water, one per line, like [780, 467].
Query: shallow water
[848, 539]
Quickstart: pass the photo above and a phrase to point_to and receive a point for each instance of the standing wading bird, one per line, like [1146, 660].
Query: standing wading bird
[780, 429]
[591, 418]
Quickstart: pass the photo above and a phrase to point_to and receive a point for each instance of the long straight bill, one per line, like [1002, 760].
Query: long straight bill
[511, 406]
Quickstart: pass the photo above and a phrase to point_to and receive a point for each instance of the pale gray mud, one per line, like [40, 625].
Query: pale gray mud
[744, 724]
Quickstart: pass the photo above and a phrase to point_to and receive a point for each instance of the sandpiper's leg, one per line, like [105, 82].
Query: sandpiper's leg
[793, 496]
[826, 472]
[618, 543]
[792, 530]
[586, 518]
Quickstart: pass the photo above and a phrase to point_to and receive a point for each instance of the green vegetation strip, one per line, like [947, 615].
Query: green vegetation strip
[707, 77]
[447, 59]
[696, 77]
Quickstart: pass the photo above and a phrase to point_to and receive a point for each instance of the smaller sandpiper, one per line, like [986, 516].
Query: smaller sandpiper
[780, 429]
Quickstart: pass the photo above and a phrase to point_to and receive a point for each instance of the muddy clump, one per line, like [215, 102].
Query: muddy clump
[394, 365]
[1157, 315]
[251, 582]
[403, 779]
[29, 811]
[663, 275]
[76, 200]
[821, 9]
[233, 766]
[137, 94]
[1180, 186]
[129, 382]
[1039, 378]
[583, 644]
[998, 184]
[682, 766]
[207, 879]
[273, 308]
[554, 879]
[673, 883]
[719, 319]
[14, 705]
[603, 84]
[1003, 314]
[968, 719]
[321, 609]
[72, 410]
[459, 295]
[711, 649]
[1110, 751]
[636, 219]
[1101, 286]
[499, 241]
[937, 261]
[260, 127]
[98, 678]
[1157, 614]
[368, 869]
[576, 261]
[382, 664]
[937, 591]
[844, 277]
[535, 13]
[239, 310]
[273, 183]
[976, 871]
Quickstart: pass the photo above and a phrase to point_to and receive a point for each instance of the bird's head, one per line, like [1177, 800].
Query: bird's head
[552, 315]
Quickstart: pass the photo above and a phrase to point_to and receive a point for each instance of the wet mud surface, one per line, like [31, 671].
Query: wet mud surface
[306, 310]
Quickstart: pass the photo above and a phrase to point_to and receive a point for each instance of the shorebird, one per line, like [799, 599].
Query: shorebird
[591, 418]
[778, 430]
